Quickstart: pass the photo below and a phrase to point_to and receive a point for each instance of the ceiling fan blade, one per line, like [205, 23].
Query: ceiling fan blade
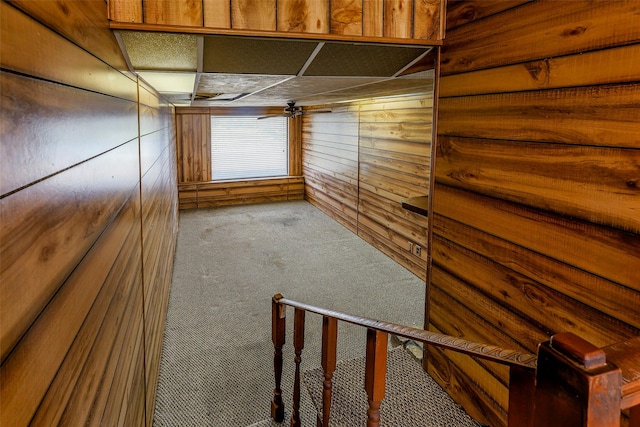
[273, 115]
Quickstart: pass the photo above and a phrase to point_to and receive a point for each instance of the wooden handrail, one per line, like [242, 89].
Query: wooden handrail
[484, 351]
[543, 388]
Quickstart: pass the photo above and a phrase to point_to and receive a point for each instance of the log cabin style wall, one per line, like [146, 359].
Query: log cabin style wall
[536, 225]
[418, 20]
[88, 223]
[362, 160]
[195, 188]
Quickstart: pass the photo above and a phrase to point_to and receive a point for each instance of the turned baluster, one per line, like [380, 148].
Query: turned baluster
[329, 346]
[375, 374]
[298, 344]
[278, 326]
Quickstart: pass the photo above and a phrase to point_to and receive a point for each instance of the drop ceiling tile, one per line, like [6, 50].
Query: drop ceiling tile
[161, 51]
[246, 55]
[236, 83]
[366, 60]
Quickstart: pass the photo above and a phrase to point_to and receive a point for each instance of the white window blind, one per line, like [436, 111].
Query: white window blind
[244, 147]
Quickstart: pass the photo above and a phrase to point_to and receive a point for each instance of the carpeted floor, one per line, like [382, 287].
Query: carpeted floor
[412, 397]
[217, 359]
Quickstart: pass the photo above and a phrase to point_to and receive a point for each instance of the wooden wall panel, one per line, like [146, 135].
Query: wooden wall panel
[558, 29]
[217, 13]
[398, 18]
[186, 13]
[74, 218]
[535, 227]
[410, 21]
[303, 16]
[394, 153]
[71, 117]
[194, 147]
[346, 17]
[84, 23]
[330, 162]
[253, 15]
[195, 188]
[159, 189]
[372, 18]
[427, 15]
[362, 160]
[126, 11]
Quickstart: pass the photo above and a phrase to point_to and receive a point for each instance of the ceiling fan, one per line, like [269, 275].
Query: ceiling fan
[292, 111]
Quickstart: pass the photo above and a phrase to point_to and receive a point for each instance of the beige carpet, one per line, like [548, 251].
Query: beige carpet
[217, 360]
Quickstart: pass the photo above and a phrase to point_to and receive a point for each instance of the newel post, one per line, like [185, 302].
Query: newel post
[575, 385]
[278, 328]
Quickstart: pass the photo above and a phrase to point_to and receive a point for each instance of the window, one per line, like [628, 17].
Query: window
[244, 147]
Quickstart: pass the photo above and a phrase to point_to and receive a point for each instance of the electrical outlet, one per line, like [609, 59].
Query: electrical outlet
[417, 250]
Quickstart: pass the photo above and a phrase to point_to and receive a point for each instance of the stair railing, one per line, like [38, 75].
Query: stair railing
[569, 383]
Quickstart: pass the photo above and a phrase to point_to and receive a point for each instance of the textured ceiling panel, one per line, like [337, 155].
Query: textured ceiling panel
[301, 88]
[161, 51]
[223, 54]
[343, 59]
[236, 83]
[416, 83]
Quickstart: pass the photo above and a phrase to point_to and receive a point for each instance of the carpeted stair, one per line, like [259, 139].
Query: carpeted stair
[412, 397]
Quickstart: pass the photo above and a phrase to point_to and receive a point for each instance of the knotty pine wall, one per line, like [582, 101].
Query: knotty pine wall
[88, 205]
[536, 223]
[362, 160]
[195, 188]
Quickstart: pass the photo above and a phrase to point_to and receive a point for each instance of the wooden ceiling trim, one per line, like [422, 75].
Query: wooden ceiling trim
[270, 34]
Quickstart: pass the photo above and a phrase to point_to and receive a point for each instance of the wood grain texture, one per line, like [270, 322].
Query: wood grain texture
[194, 152]
[211, 194]
[557, 116]
[396, 21]
[84, 23]
[46, 230]
[426, 19]
[33, 50]
[254, 15]
[54, 122]
[460, 12]
[186, 13]
[159, 230]
[217, 13]
[549, 73]
[330, 162]
[601, 251]
[594, 291]
[398, 18]
[373, 18]
[73, 227]
[91, 349]
[576, 181]
[393, 158]
[553, 29]
[295, 146]
[535, 206]
[27, 372]
[346, 17]
[126, 11]
[365, 158]
[303, 16]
